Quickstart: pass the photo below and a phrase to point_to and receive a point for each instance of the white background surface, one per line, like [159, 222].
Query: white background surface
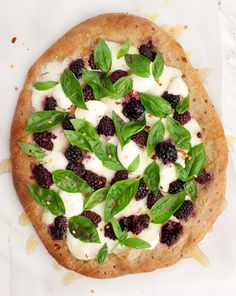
[37, 24]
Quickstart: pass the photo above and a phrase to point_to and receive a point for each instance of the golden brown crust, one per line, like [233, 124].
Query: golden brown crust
[78, 41]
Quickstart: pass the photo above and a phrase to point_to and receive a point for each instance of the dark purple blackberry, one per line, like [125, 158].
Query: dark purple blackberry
[166, 152]
[170, 232]
[109, 232]
[185, 211]
[152, 199]
[175, 187]
[116, 75]
[92, 62]
[44, 139]
[73, 153]
[182, 118]
[88, 93]
[142, 190]
[94, 217]
[50, 104]
[66, 124]
[172, 99]
[147, 50]
[76, 167]
[58, 229]
[42, 176]
[140, 138]
[135, 223]
[94, 180]
[119, 175]
[77, 67]
[203, 178]
[106, 126]
[133, 109]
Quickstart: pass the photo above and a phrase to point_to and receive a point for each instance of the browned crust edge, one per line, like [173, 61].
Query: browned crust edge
[78, 41]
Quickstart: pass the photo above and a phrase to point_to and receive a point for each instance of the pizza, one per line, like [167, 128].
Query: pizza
[118, 154]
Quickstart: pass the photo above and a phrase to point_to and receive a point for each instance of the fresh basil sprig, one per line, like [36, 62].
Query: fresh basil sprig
[95, 198]
[181, 172]
[83, 228]
[155, 136]
[196, 160]
[158, 66]
[151, 177]
[43, 120]
[122, 87]
[119, 123]
[134, 164]
[48, 199]
[138, 64]
[31, 150]
[102, 56]
[124, 49]
[132, 127]
[102, 254]
[191, 189]
[135, 243]
[183, 105]
[45, 85]
[155, 105]
[121, 235]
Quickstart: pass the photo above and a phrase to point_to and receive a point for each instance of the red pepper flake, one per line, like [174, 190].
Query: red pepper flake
[13, 40]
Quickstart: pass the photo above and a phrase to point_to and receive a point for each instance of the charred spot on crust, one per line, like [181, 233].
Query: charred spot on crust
[44, 140]
[42, 176]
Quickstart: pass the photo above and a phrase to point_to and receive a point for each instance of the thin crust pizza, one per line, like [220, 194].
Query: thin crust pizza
[118, 154]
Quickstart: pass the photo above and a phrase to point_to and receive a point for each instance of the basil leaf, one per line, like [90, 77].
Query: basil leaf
[191, 189]
[72, 89]
[48, 199]
[131, 128]
[155, 105]
[135, 243]
[102, 56]
[118, 123]
[155, 136]
[31, 150]
[178, 133]
[43, 120]
[181, 172]
[85, 127]
[158, 66]
[124, 49]
[117, 229]
[44, 85]
[81, 140]
[138, 64]
[183, 105]
[134, 164]
[70, 182]
[122, 87]
[119, 196]
[166, 206]
[95, 198]
[102, 254]
[151, 177]
[196, 161]
[83, 228]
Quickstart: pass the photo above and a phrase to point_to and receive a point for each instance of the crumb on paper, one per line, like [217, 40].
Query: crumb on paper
[5, 165]
[68, 278]
[56, 266]
[151, 17]
[31, 244]
[176, 31]
[13, 40]
[92, 291]
[16, 88]
[24, 219]
[203, 73]
[231, 140]
[167, 1]
[12, 66]
[189, 53]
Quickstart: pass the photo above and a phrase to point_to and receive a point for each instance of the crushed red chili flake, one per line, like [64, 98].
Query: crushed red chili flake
[13, 40]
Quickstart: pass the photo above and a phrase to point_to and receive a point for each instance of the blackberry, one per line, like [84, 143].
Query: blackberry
[66, 124]
[50, 104]
[152, 199]
[92, 62]
[106, 126]
[76, 167]
[94, 180]
[119, 175]
[166, 152]
[58, 229]
[172, 99]
[140, 138]
[147, 50]
[116, 75]
[203, 178]
[135, 223]
[185, 211]
[176, 186]
[109, 232]
[88, 93]
[142, 190]
[182, 118]
[94, 217]
[170, 232]
[133, 109]
[44, 139]
[42, 176]
[73, 154]
[77, 67]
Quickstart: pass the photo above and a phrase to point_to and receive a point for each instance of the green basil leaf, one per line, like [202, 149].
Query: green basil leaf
[116, 227]
[166, 206]
[155, 105]
[191, 189]
[95, 198]
[72, 89]
[158, 66]
[48, 199]
[135, 243]
[44, 85]
[134, 164]
[118, 123]
[70, 182]
[138, 64]
[196, 161]
[183, 105]
[119, 196]
[181, 172]
[83, 228]
[102, 56]
[31, 150]
[81, 140]
[85, 127]
[178, 133]
[132, 127]
[43, 120]
[102, 254]
[151, 177]
[155, 136]
[122, 87]
[124, 49]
